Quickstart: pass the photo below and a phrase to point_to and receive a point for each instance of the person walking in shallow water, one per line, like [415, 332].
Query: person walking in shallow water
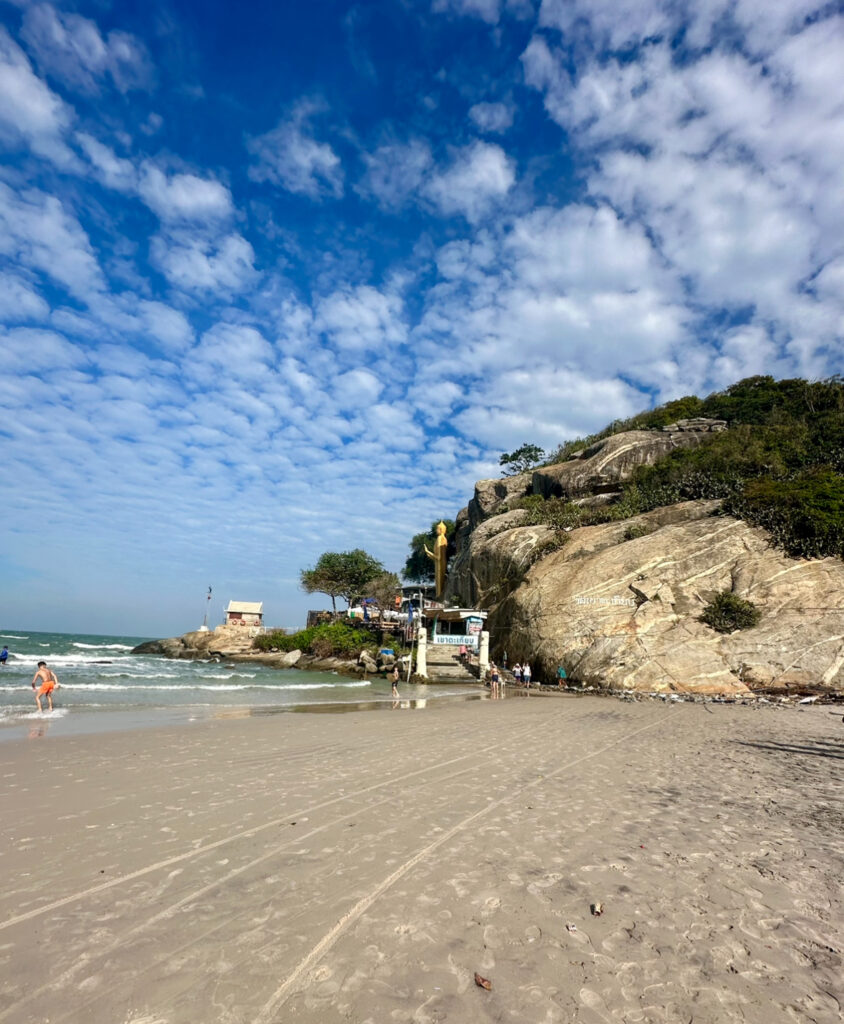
[49, 682]
[494, 678]
[395, 678]
[4, 656]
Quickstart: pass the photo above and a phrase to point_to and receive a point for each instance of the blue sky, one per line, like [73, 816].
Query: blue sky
[280, 278]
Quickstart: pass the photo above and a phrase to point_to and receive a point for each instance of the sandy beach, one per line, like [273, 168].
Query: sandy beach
[362, 867]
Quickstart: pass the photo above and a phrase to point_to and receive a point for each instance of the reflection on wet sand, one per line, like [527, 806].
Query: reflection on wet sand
[344, 707]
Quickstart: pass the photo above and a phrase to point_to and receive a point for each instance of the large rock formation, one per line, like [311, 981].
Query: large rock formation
[603, 467]
[622, 613]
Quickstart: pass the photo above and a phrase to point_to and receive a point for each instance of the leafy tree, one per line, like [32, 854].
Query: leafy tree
[522, 459]
[419, 568]
[384, 589]
[341, 574]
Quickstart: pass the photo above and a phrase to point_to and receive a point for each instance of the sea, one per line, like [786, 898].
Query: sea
[104, 687]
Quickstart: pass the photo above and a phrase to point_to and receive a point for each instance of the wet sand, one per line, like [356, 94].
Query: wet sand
[362, 868]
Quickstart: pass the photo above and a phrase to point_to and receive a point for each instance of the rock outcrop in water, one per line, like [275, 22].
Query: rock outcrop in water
[622, 613]
[233, 643]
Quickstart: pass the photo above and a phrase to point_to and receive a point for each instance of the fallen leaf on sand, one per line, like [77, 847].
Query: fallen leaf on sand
[482, 982]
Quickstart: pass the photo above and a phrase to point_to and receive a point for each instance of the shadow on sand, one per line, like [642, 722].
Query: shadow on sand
[813, 748]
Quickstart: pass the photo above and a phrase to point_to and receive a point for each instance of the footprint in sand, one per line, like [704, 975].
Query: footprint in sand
[595, 1003]
[491, 904]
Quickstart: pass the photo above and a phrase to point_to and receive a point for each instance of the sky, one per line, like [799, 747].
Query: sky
[282, 278]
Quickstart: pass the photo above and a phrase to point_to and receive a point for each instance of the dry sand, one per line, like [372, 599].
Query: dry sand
[362, 867]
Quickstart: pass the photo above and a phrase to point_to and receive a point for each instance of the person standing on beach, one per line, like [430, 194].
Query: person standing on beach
[561, 677]
[517, 674]
[493, 679]
[526, 674]
[395, 679]
[4, 655]
[49, 682]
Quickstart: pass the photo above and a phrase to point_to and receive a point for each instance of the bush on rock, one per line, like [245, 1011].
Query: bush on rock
[727, 612]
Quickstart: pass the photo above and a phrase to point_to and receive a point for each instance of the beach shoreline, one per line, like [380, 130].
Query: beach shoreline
[362, 867]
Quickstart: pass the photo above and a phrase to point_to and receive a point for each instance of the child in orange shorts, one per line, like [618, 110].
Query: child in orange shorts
[48, 684]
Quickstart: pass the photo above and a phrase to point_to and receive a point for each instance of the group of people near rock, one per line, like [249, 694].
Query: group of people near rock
[522, 674]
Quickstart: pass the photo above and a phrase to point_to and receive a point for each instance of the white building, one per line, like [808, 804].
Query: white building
[245, 613]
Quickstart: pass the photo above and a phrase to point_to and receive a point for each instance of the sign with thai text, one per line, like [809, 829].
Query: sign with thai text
[455, 640]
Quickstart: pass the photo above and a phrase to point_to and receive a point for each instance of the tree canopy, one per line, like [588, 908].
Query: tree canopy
[343, 574]
[419, 568]
[384, 589]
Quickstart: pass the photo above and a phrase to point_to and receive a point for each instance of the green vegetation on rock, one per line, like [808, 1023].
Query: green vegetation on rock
[780, 465]
[727, 612]
[755, 400]
[336, 640]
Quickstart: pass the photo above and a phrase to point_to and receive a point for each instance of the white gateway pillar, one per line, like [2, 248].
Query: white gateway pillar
[483, 655]
[422, 652]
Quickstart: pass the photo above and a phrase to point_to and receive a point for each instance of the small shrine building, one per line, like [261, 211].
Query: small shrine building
[245, 613]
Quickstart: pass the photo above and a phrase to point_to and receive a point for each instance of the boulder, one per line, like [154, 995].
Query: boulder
[367, 662]
[222, 642]
[493, 560]
[604, 466]
[626, 614]
[490, 495]
[697, 424]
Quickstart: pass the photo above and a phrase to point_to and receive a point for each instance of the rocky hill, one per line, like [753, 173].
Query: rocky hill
[618, 602]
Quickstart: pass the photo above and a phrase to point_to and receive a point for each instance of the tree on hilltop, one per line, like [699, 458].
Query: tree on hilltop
[522, 459]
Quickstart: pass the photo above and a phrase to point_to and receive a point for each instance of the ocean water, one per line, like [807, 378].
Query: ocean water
[100, 674]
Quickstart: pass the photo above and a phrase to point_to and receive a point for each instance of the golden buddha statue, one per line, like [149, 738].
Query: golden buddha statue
[438, 556]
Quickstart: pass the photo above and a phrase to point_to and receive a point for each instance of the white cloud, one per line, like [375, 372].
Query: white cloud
[19, 301]
[745, 352]
[563, 402]
[29, 111]
[732, 164]
[395, 172]
[361, 318]
[196, 262]
[183, 196]
[37, 230]
[487, 10]
[113, 171]
[356, 389]
[71, 49]
[479, 177]
[492, 117]
[34, 350]
[617, 24]
[231, 352]
[291, 157]
[168, 326]
[476, 179]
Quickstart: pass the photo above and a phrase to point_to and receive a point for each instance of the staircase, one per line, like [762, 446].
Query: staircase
[445, 666]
